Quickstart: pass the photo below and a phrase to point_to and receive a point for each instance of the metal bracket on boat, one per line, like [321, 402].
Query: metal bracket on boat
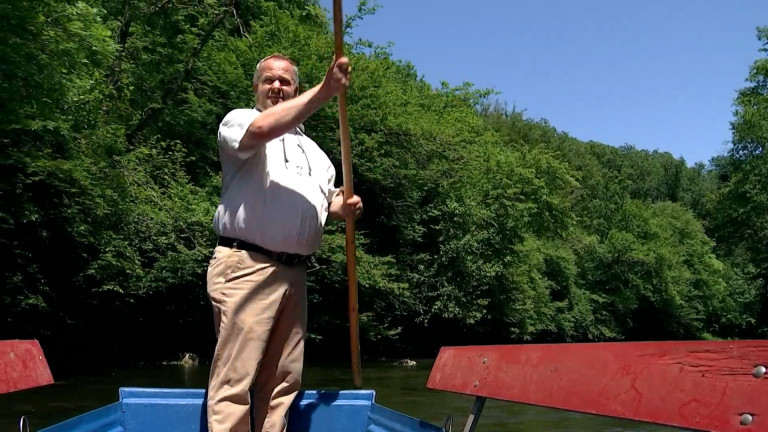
[23, 422]
[474, 416]
[448, 424]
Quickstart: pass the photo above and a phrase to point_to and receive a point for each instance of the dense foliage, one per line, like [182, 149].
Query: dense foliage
[481, 225]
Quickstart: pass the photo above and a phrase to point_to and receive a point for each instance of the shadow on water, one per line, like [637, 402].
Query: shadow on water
[402, 388]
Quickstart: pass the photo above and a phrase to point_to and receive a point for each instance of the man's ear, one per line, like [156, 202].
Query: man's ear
[296, 92]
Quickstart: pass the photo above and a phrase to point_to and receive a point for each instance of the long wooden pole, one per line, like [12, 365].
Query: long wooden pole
[346, 162]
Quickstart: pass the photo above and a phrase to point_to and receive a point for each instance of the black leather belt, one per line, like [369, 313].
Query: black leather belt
[281, 257]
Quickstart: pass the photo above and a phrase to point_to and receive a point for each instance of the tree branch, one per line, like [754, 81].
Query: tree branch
[122, 39]
[153, 112]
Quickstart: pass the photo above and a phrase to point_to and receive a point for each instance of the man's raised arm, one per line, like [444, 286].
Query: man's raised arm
[284, 116]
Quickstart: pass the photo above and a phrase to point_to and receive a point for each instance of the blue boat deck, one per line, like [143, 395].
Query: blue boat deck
[181, 410]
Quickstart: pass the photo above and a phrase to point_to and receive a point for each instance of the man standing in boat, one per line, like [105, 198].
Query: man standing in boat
[277, 192]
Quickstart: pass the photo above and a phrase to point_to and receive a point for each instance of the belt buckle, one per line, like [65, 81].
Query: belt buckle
[288, 258]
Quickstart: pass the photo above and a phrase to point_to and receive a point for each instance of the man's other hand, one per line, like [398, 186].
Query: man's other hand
[341, 209]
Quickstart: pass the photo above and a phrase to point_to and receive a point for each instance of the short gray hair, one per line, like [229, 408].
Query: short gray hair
[257, 72]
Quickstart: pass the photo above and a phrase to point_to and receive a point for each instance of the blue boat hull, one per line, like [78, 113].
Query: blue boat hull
[181, 410]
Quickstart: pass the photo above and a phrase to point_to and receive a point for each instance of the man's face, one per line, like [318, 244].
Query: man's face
[277, 83]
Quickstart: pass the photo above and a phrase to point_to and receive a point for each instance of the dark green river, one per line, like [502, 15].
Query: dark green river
[398, 387]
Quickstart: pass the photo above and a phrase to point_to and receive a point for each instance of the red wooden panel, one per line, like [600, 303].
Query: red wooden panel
[22, 365]
[696, 385]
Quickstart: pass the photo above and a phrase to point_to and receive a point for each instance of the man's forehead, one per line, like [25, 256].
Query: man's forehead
[276, 66]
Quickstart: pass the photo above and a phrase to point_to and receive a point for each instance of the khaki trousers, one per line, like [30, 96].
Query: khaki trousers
[260, 317]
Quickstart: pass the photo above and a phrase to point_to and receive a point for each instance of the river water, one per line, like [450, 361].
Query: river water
[402, 388]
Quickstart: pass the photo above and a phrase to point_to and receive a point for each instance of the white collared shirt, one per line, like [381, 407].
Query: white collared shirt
[276, 195]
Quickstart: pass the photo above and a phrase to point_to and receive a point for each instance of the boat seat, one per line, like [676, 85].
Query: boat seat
[703, 385]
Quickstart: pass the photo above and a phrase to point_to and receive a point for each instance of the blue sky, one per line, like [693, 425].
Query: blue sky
[656, 74]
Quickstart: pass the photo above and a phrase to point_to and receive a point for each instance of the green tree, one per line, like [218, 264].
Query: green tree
[495, 226]
[739, 211]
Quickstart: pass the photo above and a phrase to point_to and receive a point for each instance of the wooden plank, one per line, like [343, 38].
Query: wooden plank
[22, 366]
[703, 385]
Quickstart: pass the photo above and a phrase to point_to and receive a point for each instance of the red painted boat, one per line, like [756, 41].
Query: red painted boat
[718, 386]
[22, 366]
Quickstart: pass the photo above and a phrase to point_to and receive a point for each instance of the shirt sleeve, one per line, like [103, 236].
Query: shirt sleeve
[332, 190]
[233, 128]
